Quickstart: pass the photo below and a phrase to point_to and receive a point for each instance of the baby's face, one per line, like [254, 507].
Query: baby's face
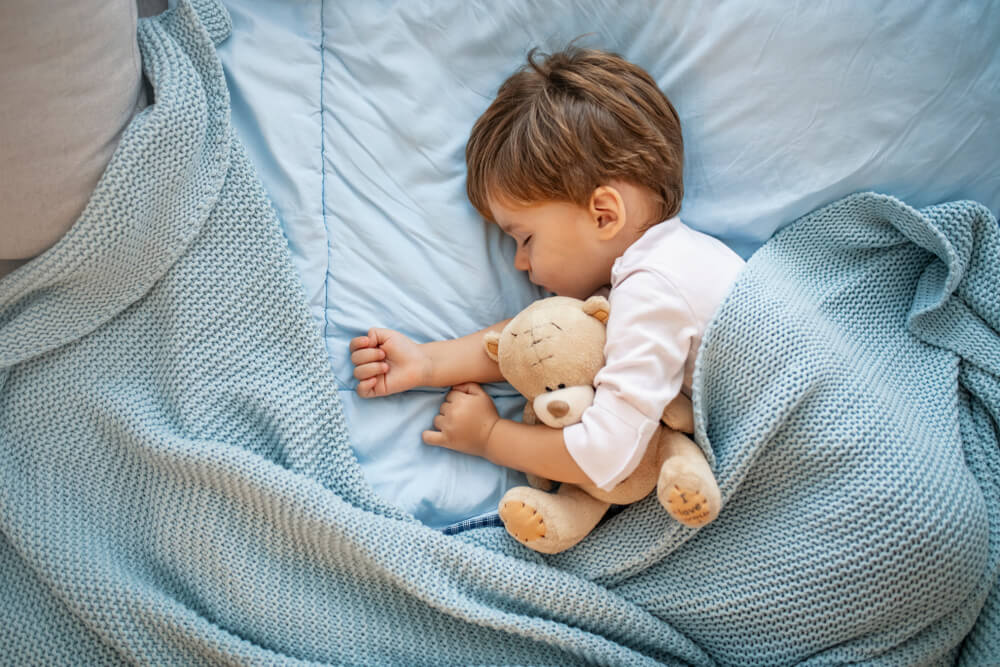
[557, 245]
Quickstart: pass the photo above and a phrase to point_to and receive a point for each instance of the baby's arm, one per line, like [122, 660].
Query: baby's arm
[535, 449]
[468, 423]
[387, 362]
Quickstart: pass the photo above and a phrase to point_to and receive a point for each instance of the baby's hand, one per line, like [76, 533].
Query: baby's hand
[387, 362]
[466, 419]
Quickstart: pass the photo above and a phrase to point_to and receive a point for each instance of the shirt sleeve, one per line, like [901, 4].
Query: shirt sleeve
[649, 337]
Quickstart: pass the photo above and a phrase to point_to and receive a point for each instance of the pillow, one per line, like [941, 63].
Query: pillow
[71, 81]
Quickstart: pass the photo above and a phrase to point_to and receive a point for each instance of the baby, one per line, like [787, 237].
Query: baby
[579, 159]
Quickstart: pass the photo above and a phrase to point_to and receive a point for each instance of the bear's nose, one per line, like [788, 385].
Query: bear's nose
[558, 408]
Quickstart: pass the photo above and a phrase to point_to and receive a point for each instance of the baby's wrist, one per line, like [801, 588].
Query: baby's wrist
[491, 445]
[427, 371]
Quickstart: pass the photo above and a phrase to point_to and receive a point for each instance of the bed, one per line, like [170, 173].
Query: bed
[188, 474]
[784, 109]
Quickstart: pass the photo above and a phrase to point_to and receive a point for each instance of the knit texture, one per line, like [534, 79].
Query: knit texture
[177, 484]
[850, 388]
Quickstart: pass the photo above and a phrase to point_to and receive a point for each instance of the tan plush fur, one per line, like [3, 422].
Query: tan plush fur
[551, 353]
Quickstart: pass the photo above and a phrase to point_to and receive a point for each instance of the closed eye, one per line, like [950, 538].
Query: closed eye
[527, 240]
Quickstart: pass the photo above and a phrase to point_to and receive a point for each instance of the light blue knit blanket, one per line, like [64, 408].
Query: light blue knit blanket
[177, 484]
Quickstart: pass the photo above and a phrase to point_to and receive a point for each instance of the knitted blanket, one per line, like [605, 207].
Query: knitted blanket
[177, 484]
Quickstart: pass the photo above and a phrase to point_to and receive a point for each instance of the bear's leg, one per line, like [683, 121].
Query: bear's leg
[686, 486]
[679, 415]
[550, 522]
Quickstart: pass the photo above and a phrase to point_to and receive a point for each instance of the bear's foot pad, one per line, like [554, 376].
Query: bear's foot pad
[522, 521]
[688, 506]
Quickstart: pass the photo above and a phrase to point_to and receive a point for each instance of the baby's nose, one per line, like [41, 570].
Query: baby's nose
[521, 262]
[558, 408]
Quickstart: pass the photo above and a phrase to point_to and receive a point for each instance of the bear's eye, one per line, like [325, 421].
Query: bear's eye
[548, 389]
[562, 386]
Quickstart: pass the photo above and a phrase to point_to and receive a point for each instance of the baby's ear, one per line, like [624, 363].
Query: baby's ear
[492, 344]
[598, 307]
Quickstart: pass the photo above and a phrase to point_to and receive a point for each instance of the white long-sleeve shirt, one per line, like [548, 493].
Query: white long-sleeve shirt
[665, 288]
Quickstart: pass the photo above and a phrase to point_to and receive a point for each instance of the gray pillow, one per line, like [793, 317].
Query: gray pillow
[70, 81]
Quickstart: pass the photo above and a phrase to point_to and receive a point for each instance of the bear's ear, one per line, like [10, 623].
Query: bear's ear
[492, 344]
[597, 306]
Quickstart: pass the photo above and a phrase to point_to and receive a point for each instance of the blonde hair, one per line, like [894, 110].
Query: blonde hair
[570, 122]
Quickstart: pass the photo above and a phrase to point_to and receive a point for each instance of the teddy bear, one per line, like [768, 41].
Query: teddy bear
[550, 353]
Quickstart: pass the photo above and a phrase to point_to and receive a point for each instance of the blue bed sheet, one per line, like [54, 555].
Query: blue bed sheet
[356, 115]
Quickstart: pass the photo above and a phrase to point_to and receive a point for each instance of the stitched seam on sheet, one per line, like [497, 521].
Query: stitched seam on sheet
[322, 160]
